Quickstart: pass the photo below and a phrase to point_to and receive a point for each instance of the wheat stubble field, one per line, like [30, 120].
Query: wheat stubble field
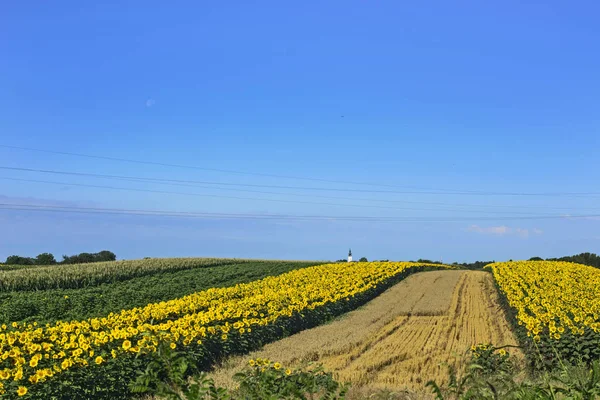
[401, 339]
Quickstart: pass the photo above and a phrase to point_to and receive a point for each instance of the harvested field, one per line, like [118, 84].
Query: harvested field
[400, 340]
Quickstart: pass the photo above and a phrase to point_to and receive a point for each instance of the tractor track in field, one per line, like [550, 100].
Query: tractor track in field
[407, 336]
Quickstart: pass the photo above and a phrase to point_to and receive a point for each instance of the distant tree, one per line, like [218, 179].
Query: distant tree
[48, 258]
[474, 265]
[82, 258]
[590, 259]
[45, 259]
[341, 260]
[363, 259]
[12, 260]
[536, 259]
[18, 260]
[86, 258]
[106, 255]
[426, 261]
[74, 259]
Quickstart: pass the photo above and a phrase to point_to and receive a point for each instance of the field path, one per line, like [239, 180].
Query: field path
[401, 339]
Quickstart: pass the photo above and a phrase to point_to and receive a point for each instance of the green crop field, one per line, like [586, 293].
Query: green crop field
[71, 276]
[67, 292]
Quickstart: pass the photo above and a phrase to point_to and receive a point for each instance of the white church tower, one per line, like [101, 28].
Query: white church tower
[350, 255]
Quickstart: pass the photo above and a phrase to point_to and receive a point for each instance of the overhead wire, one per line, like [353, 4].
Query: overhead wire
[216, 186]
[254, 198]
[162, 164]
[100, 210]
[423, 190]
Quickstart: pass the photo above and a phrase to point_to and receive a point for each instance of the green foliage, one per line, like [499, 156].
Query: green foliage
[84, 258]
[549, 352]
[580, 381]
[491, 359]
[14, 267]
[106, 381]
[583, 258]
[45, 259]
[590, 259]
[18, 260]
[363, 259]
[74, 304]
[426, 261]
[94, 274]
[48, 259]
[486, 379]
[270, 381]
[168, 377]
[477, 265]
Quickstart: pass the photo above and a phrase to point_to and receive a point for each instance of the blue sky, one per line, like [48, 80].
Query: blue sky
[463, 96]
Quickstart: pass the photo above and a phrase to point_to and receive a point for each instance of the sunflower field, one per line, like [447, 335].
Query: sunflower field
[555, 307]
[98, 357]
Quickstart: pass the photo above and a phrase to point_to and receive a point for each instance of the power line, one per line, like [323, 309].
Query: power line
[37, 207]
[438, 191]
[178, 182]
[252, 198]
[208, 182]
[197, 184]
[192, 194]
[163, 213]
[199, 168]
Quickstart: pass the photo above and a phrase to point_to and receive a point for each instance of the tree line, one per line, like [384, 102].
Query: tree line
[591, 259]
[48, 258]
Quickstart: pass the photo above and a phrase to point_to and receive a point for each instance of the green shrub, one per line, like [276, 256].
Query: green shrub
[491, 374]
[167, 376]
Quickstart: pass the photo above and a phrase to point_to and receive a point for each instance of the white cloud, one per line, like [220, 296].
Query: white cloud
[150, 102]
[504, 230]
[492, 230]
